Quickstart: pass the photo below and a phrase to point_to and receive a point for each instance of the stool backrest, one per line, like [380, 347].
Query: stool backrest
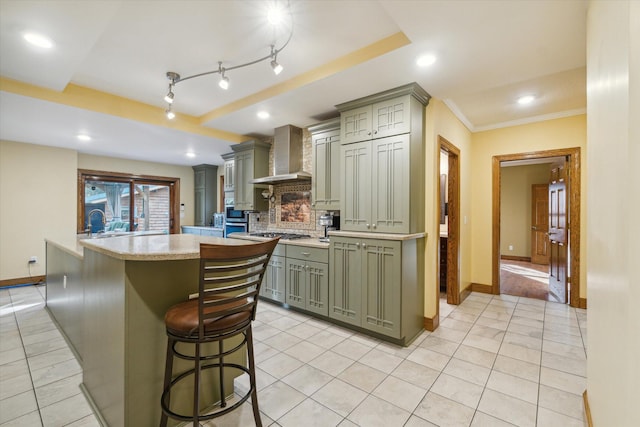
[230, 280]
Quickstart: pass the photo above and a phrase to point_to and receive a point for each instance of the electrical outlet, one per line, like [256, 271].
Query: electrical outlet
[33, 259]
[510, 247]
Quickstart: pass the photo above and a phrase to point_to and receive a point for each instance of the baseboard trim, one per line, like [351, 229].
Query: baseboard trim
[22, 281]
[582, 303]
[431, 323]
[587, 410]
[465, 293]
[478, 287]
[516, 258]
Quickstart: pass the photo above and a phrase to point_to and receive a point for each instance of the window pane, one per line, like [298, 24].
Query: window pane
[151, 208]
[106, 202]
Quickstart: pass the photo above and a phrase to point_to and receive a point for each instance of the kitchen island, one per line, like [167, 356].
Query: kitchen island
[127, 284]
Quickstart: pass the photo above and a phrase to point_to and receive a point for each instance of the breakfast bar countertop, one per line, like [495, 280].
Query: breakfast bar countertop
[162, 247]
[309, 242]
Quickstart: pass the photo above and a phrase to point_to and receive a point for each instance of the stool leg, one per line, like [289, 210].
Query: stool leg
[196, 388]
[223, 401]
[168, 372]
[252, 378]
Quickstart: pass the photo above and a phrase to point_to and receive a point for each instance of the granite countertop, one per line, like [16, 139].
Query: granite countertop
[311, 242]
[71, 247]
[204, 227]
[163, 247]
[384, 236]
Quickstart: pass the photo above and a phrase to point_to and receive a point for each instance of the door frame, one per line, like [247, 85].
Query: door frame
[573, 227]
[453, 238]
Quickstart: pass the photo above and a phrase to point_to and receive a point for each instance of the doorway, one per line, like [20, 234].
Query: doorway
[449, 204]
[570, 264]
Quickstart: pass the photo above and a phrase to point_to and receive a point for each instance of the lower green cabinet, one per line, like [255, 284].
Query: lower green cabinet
[307, 279]
[376, 284]
[273, 283]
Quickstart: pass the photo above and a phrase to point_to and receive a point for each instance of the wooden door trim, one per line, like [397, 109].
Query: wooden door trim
[573, 226]
[453, 239]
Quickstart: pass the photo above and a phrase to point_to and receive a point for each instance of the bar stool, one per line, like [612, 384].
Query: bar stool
[230, 279]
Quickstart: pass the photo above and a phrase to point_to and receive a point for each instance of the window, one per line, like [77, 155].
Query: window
[113, 202]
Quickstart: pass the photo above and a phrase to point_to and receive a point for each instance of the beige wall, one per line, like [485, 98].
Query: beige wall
[515, 206]
[37, 201]
[613, 230]
[548, 135]
[439, 120]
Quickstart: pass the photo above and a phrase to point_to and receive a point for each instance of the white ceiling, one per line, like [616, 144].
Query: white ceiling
[489, 53]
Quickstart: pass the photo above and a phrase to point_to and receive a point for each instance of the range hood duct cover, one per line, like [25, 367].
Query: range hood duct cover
[287, 157]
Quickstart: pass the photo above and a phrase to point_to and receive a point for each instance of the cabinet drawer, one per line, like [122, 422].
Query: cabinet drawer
[307, 253]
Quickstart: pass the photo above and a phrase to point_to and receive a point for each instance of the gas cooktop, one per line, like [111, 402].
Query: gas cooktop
[286, 236]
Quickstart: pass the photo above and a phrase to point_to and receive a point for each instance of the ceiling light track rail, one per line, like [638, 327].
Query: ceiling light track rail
[175, 78]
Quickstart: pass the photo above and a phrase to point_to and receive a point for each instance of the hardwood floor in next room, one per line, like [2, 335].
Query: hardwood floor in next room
[525, 279]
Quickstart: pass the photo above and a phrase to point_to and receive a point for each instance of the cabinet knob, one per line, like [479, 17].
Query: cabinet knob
[357, 245]
[368, 226]
[369, 133]
[364, 246]
[374, 226]
[375, 132]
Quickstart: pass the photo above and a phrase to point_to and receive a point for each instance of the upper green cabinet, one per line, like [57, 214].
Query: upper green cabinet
[229, 179]
[205, 179]
[382, 162]
[251, 160]
[385, 118]
[325, 187]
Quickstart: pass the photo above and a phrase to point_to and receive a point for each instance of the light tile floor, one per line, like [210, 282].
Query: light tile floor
[494, 361]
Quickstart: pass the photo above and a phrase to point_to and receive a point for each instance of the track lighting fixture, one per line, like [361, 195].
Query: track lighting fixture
[170, 114]
[224, 80]
[175, 78]
[277, 68]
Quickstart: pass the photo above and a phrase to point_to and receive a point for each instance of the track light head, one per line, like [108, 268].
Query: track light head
[170, 114]
[224, 82]
[169, 96]
[277, 68]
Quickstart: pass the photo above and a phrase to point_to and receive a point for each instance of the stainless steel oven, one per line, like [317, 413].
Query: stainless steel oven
[236, 221]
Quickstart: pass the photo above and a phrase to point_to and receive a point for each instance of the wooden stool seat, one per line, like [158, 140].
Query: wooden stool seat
[230, 280]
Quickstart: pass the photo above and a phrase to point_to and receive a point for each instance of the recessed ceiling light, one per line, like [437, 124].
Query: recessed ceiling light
[190, 154]
[38, 40]
[527, 99]
[263, 115]
[275, 14]
[83, 137]
[426, 60]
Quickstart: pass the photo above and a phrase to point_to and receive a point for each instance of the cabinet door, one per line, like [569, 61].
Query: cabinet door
[273, 284]
[355, 168]
[317, 289]
[381, 286]
[390, 185]
[199, 206]
[243, 172]
[392, 117]
[345, 280]
[296, 282]
[229, 179]
[326, 166]
[355, 125]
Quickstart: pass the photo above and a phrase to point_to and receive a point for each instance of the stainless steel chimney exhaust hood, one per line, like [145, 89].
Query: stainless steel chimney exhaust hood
[287, 157]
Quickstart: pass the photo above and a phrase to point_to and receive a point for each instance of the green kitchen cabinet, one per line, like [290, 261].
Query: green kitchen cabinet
[307, 282]
[377, 284]
[385, 118]
[229, 179]
[345, 290]
[273, 283]
[251, 160]
[205, 193]
[382, 162]
[325, 187]
[376, 185]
